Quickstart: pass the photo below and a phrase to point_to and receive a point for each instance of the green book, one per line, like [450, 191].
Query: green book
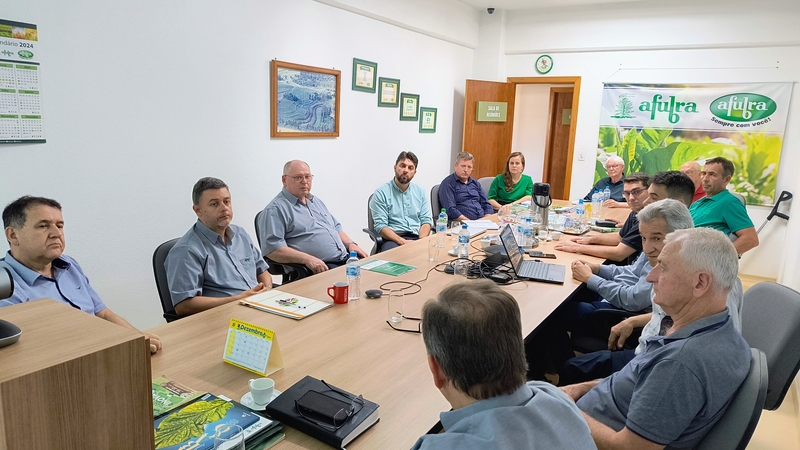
[387, 267]
[168, 395]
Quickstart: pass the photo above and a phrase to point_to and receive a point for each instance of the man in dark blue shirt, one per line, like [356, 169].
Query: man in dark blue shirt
[461, 194]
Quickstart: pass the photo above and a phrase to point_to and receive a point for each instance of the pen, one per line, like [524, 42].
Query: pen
[290, 302]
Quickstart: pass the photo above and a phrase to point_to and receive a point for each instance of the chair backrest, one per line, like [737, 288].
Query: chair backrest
[740, 197]
[370, 220]
[737, 424]
[770, 318]
[486, 183]
[436, 207]
[257, 225]
[160, 272]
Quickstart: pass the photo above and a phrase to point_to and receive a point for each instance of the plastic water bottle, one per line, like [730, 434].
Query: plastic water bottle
[353, 277]
[580, 214]
[597, 203]
[536, 220]
[441, 228]
[519, 230]
[463, 242]
[606, 193]
[527, 241]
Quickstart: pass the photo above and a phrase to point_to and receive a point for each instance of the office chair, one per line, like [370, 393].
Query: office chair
[370, 230]
[737, 424]
[740, 197]
[770, 318]
[160, 272]
[486, 183]
[436, 206]
[594, 336]
[288, 271]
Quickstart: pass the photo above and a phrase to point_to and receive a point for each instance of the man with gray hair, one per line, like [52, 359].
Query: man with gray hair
[296, 226]
[473, 336]
[674, 392]
[614, 182]
[692, 170]
[215, 262]
[461, 195]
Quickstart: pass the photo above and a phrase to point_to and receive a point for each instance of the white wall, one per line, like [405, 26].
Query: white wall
[143, 98]
[674, 43]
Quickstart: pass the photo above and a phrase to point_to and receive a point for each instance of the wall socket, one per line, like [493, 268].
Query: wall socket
[581, 156]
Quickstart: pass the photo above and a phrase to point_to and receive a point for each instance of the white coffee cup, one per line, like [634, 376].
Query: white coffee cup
[261, 390]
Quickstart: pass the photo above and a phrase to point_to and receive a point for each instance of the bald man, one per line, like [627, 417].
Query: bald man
[692, 170]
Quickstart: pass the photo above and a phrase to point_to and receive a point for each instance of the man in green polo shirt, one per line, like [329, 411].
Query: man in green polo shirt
[720, 210]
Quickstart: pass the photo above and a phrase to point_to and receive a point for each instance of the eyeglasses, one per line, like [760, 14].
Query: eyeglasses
[613, 166]
[341, 417]
[301, 178]
[417, 331]
[633, 193]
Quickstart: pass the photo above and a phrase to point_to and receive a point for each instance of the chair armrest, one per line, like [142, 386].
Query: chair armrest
[374, 235]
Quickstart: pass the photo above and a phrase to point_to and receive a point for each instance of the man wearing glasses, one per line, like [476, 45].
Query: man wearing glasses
[296, 226]
[473, 337]
[626, 245]
[614, 168]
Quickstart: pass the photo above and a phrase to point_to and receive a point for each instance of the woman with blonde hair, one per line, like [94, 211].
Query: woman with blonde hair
[511, 186]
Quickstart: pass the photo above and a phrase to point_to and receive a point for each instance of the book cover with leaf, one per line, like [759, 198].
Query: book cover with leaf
[197, 424]
[168, 395]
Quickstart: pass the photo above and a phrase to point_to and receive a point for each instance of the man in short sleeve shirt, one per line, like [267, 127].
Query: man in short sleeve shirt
[400, 209]
[215, 262]
[296, 226]
[720, 210]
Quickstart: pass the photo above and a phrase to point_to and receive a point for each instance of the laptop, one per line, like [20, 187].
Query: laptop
[530, 270]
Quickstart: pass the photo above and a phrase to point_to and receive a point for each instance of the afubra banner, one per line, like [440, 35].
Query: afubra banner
[660, 127]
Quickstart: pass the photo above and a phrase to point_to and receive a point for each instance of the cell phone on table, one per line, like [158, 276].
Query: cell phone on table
[323, 407]
[540, 254]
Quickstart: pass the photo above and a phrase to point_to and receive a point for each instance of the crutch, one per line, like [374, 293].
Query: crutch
[785, 195]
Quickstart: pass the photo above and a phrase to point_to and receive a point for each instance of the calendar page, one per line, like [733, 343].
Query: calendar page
[252, 347]
[20, 84]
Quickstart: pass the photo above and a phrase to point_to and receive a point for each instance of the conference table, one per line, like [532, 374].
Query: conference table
[351, 345]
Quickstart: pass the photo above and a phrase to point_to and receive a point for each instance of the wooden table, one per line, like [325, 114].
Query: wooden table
[349, 345]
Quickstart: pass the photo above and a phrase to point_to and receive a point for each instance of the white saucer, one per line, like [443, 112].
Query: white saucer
[247, 400]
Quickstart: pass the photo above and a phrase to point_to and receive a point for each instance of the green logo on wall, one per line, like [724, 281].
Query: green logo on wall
[743, 107]
[624, 109]
[24, 54]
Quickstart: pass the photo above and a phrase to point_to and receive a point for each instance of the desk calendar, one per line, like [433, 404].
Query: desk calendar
[253, 348]
[20, 84]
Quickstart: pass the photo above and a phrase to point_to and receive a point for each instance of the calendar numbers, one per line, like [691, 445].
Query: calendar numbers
[20, 103]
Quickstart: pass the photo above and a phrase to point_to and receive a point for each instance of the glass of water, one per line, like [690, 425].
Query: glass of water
[230, 440]
[396, 303]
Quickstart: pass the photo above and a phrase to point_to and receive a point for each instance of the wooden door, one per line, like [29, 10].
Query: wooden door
[557, 149]
[489, 142]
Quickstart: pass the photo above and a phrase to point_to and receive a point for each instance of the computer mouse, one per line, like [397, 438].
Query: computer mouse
[373, 293]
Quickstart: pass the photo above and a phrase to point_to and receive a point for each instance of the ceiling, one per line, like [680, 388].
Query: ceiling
[535, 4]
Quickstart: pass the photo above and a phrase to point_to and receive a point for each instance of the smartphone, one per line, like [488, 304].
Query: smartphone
[323, 407]
[540, 254]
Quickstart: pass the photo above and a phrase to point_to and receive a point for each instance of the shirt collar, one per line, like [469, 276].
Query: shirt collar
[29, 275]
[291, 197]
[212, 235]
[458, 180]
[518, 397]
[713, 321]
[717, 196]
[397, 188]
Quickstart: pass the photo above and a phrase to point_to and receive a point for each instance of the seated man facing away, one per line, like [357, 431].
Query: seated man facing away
[692, 170]
[296, 227]
[34, 229]
[614, 181]
[676, 389]
[625, 245]
[215, 262]
[461, 195]
[473, 336]
[401, 209]
[720, 210]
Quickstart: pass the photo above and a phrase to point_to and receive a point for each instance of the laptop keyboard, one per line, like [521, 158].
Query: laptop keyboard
[534, 269]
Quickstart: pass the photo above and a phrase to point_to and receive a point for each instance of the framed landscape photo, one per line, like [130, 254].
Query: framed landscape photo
[409, 107]
[388, 92]
[364, 74]
[304, 100]
[427, 120]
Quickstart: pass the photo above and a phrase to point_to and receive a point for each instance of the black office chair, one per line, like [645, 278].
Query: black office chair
[288, 271]
[370, 230]
[436, 206]
[594, 335]
[160, 272]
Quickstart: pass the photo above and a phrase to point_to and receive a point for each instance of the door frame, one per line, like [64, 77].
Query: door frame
[576, 86]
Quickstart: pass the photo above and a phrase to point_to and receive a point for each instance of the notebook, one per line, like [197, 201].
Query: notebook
[530, 270]
[472, 231]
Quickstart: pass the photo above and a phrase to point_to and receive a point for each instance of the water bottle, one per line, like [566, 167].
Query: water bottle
[527, 241]
[463, 242]
[353, 277]
[606, 193]
[441, 228]
[536, 220]
[580, 214]
[519, 230]
[597, 203]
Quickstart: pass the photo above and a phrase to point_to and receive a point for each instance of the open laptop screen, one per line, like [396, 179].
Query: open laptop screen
[512, 249]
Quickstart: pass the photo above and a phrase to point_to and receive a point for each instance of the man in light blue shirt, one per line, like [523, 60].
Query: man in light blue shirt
[401, 210]
[473, 336]
[215, 262]
[296, 227]
[34, 229]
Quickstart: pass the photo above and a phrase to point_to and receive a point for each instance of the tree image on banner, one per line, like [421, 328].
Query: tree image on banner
[624, 108]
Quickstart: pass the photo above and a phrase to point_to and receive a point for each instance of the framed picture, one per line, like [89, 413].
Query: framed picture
[427, 120]
[388, 92]
[409, 107]
[364, 74]
[304, 100]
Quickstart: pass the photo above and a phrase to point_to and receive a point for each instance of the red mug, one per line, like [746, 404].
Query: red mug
[338, 292]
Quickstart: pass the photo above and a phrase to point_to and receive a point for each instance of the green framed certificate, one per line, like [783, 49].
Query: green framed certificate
[364, 75]
[388, 92]
[427, 120]
[409, 107]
